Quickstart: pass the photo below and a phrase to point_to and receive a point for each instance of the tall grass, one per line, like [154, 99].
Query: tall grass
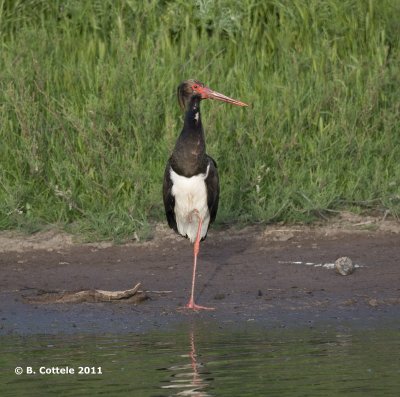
[89, 114]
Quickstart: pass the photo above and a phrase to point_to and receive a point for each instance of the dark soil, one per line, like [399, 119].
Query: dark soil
[248, 276]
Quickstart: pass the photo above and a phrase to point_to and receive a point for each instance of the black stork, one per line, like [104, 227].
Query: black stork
[191, 183]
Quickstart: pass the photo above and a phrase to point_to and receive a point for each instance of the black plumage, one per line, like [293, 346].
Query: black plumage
[189, 158]
[191, 182]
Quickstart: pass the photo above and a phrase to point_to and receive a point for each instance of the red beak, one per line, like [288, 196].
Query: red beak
[208, 93]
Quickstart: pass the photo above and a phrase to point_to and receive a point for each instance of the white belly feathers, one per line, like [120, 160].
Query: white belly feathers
[190, 194]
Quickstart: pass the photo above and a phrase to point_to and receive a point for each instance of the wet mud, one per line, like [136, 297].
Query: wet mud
[273, 276]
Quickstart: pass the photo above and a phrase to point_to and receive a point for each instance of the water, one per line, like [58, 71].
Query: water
[204, 361]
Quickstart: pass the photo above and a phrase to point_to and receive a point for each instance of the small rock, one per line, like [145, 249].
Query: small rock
[219, 296]
[373, 302]
[344, 266]
[349, 302]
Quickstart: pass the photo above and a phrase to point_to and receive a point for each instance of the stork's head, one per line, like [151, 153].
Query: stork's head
[191, 88]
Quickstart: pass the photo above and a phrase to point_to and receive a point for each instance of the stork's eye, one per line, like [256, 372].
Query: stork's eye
[195, 87]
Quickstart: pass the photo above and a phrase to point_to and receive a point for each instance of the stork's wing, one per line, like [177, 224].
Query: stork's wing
[169, 199]
[212, 185]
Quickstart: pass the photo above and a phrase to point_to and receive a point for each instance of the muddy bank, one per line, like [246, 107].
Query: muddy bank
[272, 276]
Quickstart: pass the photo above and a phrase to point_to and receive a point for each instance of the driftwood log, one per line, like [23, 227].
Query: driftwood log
[133, 295]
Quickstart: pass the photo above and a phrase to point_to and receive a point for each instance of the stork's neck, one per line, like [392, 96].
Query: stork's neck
[192, 115]
[189, 155]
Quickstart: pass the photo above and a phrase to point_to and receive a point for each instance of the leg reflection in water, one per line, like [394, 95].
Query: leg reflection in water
[189, 379]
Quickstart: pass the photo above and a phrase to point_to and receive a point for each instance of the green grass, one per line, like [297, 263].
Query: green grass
[89, 114]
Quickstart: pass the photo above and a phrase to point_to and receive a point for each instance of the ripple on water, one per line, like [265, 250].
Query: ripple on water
[198, 361]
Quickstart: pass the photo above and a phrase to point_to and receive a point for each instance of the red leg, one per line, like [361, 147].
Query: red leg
[196, 249]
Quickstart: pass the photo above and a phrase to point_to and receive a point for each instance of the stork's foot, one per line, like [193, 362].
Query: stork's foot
[192, 306]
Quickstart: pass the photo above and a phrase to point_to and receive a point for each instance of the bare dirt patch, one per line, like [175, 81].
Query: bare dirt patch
[275, 275]
[344, 223]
